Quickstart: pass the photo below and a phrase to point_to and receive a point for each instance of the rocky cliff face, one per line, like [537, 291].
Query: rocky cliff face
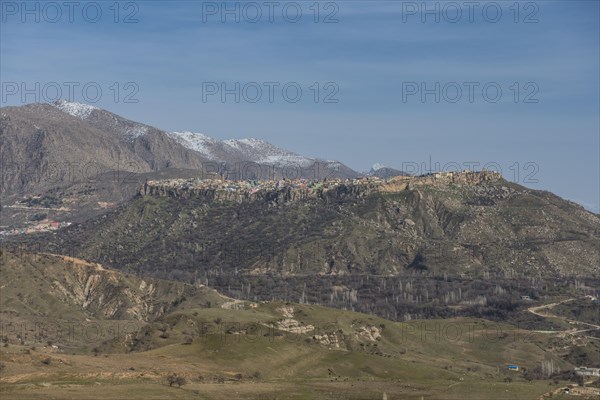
[88, 290]
[100, 292]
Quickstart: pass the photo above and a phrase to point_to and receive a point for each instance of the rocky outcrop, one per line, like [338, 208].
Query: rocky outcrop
[271, 196]
[369, 333]
[332, 340]
[289, 324]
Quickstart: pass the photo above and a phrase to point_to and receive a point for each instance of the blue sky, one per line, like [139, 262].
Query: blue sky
[372, 56]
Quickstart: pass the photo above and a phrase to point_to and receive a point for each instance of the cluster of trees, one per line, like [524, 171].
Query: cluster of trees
[397, 298]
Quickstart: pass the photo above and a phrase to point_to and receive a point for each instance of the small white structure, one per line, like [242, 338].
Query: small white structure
[587, 371]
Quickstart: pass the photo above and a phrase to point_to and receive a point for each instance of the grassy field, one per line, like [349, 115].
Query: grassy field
[421, 359]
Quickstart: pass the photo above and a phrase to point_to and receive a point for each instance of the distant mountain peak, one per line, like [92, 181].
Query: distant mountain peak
[383, 171]
[377, 167]
[75, 109]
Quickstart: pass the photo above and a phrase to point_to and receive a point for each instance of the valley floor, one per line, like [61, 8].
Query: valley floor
[229, 367]
[143, 376]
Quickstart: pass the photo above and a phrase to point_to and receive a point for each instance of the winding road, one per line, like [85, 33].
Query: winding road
[536, 311]
[581, 391]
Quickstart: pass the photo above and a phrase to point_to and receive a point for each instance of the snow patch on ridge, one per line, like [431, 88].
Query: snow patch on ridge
[250, 149]
[78, 110]
[137, 131]
[196, 141]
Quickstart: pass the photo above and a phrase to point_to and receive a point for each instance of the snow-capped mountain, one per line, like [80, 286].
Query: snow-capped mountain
[226, 151]
[44, 137]
[250, 150]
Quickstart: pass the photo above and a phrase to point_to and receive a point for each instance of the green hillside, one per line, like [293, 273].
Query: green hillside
[225, 348]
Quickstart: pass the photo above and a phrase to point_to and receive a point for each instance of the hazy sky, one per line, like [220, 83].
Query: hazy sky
[380, 81]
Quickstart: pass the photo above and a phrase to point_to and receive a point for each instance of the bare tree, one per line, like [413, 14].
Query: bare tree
[174, 379]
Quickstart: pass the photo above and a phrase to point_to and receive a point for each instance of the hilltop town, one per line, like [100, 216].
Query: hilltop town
[284, 190]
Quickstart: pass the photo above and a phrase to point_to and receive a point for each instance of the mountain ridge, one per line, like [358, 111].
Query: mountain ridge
[44, 144]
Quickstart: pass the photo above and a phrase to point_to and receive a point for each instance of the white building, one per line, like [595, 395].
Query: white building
[587, 371]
